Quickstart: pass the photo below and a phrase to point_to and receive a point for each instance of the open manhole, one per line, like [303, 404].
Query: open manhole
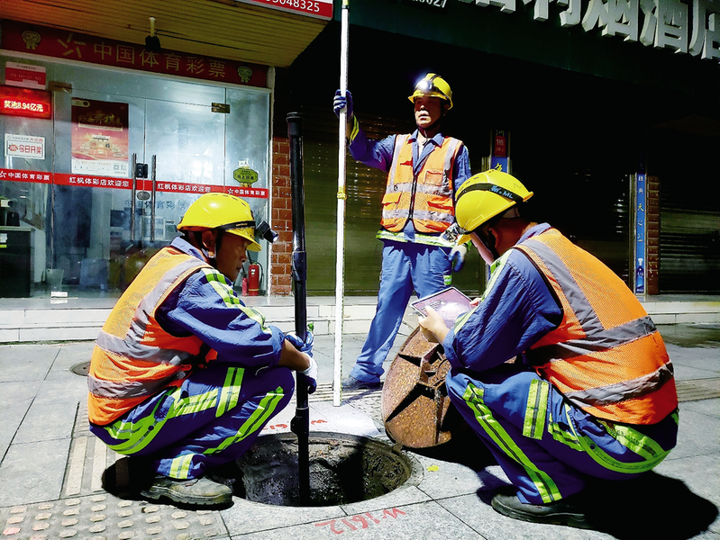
[343, 469]
[81, 369]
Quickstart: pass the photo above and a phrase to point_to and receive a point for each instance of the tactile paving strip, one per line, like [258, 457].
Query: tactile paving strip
[697, 389]
[103, 517]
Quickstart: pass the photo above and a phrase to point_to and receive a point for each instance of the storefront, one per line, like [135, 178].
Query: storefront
[105, 146]
[608, 111]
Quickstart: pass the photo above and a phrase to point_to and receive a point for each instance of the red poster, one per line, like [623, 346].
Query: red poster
[99, 138]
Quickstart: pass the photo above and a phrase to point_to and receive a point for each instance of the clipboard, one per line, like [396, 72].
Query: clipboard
[450, 303]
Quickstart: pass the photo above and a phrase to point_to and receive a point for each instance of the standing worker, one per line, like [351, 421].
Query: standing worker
[425, 169]
[184, 376]
[591, 392]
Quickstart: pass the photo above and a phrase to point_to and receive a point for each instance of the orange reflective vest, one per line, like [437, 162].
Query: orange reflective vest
[606, 356]
[429, 199]
[134, 358]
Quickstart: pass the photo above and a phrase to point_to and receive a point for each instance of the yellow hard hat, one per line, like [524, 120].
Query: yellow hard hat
[434, 86]
[484, 196]
[221, 211]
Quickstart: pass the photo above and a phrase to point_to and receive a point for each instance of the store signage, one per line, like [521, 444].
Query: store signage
[24, 146]
[322, 9]
[25, 75]
[107, 182]
[692, 28]
[640, 217]
[35, 177]
[57, 43]
[432, 3]
[25, 102]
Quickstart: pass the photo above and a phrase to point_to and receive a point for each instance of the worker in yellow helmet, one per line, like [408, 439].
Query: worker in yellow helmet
[590, 391]
[183, 375]
[424, 169]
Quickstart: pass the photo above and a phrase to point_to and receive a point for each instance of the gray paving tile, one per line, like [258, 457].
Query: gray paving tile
[63, 387]
[443, 479]
[418, 521]
[26, 362]
[477, 513]
[697, 435]
[47, 420]
[710, 407]
[33, 472]
[688, 360]
[70, 354]
[246, 517]
[402, 496]
[701, 474]
[15, 401]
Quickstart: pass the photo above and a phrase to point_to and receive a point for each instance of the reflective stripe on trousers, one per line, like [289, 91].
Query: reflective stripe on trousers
[211, 419]
[543, 443]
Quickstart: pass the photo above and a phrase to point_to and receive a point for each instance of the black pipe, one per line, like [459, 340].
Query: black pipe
[300, 424]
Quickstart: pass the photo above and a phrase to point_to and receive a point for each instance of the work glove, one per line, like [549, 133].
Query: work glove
[343, 102]
[311, 374]
[302, 346]
[457, 257]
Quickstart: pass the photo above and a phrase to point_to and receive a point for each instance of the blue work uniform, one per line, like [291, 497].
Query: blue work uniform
[546, 445]
[411, 261]
[218, 411]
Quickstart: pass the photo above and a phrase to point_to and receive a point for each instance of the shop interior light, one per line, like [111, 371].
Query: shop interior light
[25, 102]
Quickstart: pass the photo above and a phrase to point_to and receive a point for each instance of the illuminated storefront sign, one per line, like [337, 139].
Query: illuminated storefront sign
[67, 45]
[322, 9]
[24, 102]
[663, 24]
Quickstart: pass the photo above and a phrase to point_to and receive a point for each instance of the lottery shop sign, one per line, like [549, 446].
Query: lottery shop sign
[108, 182]
[69, 45]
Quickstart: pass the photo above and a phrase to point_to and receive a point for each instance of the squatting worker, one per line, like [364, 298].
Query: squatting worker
[591, 391]
[425, 169]
[184, 376]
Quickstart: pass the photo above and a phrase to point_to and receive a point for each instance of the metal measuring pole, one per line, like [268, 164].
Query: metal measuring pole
[300, 424]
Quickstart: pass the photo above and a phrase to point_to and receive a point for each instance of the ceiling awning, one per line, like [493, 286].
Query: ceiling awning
[217, 28]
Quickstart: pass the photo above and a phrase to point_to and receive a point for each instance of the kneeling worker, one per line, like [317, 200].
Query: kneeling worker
[591, 392]
[184, 376]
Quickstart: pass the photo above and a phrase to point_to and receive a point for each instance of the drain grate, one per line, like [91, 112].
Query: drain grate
[697, 389]
[81, 369]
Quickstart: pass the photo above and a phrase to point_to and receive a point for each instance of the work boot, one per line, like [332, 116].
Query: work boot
[195, 492]
[351, 383]
[564, 512]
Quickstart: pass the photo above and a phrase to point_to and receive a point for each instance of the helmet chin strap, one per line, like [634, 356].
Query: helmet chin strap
[490, 244]
[205, 251]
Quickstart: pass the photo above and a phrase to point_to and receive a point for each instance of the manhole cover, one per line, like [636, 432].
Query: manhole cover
[343, 469]
[81, 369]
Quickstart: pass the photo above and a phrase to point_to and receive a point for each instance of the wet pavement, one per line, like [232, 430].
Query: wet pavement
[51, 466]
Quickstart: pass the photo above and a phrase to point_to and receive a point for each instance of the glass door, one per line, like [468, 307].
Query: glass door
[135, 166]
[184, 158]
[93, 188]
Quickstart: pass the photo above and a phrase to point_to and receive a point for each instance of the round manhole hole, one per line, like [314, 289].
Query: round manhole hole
[81, 369]
[343, 469]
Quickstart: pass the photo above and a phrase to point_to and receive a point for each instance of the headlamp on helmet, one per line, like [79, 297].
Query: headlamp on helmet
[262, 229]
[433, 85]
